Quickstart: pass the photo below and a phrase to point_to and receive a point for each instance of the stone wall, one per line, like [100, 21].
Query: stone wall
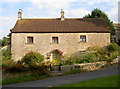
[68, 42]
[89, 66]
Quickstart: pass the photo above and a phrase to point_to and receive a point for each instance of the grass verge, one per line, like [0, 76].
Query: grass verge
[33, 77]
[24, 79]
[109, 81]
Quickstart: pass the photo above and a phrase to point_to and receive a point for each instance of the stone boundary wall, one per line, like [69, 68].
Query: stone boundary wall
[90, 66]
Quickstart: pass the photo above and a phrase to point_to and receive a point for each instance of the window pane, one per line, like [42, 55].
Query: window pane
[83, 38]
[55, 39]
[29, 39]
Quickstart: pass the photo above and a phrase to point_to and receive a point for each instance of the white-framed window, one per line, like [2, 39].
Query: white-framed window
[83, 38]
[29, 39]
[55, 40]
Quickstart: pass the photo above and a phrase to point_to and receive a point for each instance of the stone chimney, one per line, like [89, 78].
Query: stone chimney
[19, 14]
[62, 15]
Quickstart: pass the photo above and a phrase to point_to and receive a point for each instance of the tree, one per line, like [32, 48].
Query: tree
[97, 13]
[0, 43]
[5, 41]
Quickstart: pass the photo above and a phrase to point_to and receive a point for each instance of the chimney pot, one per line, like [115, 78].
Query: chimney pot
[19, 14]
[62, 15]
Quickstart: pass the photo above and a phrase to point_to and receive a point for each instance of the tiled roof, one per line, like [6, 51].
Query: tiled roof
[56, 25]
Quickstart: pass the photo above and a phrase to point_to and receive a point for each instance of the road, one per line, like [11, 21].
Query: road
[66, 79]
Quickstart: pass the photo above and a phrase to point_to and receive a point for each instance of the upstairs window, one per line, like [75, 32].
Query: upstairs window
[30, 40]
[55, 40]
[83, 38]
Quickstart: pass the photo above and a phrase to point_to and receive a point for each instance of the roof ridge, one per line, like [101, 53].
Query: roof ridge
[57, 18]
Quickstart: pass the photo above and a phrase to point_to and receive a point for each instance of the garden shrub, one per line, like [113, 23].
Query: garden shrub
[101, 51]
[89, 57]
[104, 57]
[6, 54]
[113, 47]
[32, 59]
[113, 54]
[95, 48]
[39, 70]
[15, 68]
[81, 58]
[68, 61]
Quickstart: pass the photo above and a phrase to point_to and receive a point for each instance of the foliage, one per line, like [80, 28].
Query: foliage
[32, 59]
[89, 57]
[97, 13]
[68, 61]
[5, 41]
[23, 79]
[113, 55]
[104, 57]
[6, 54]
[0, 43]
[113, 47]
[94, 54]
[81, 58]
[95, 48]
[101, 51]
[17, 67]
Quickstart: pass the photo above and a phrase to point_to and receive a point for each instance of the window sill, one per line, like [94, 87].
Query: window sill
[82, 42]
[54, 43]
[29, 43]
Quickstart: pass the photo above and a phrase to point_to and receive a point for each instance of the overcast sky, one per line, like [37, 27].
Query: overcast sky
[51, 9]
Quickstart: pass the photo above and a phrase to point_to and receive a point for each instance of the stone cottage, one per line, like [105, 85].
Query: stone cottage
[68, 35]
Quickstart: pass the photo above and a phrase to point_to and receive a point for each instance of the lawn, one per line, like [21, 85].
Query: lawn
[23, 79]
[109, 81]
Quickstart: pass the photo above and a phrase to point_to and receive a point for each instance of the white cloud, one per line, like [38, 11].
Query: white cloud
[6, 23]
[77, 13]
[90, 3]
[59, 1]
[52, 4]
[113, 14]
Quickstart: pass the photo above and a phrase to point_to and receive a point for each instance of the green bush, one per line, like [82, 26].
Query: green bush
[113, 47]
[32, 59]
[101, 51]
[95, 48]
[18, 68]
[113, 55]
[81, 58]
[14, 67]
[104, 57]
[89, 57]
[94, 54]
[68, 61]
[40, 70]
[6, 54]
